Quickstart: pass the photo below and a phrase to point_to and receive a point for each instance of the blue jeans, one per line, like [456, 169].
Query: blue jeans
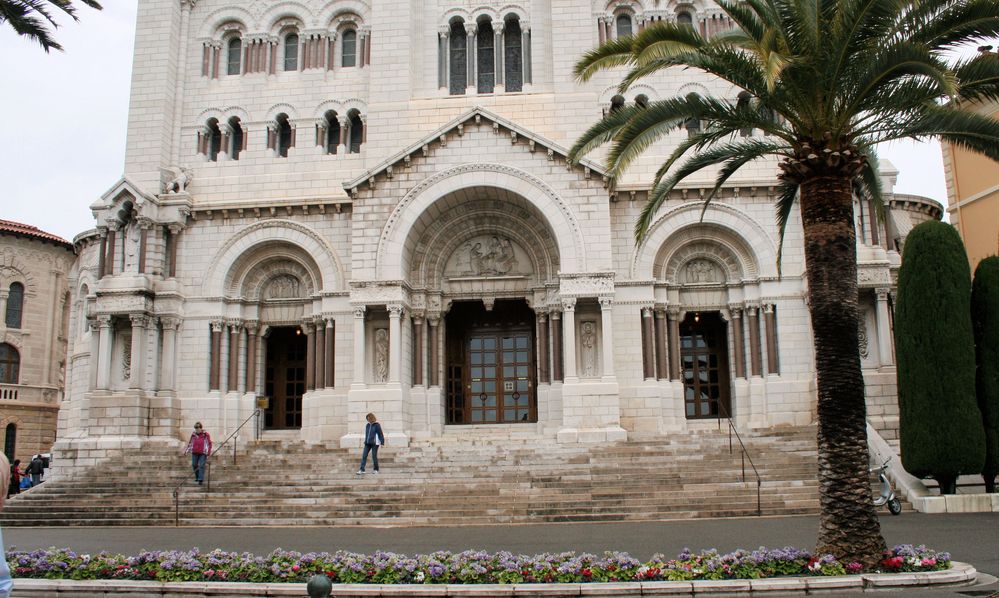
[5, 581]
[198, 465]
[373, 449]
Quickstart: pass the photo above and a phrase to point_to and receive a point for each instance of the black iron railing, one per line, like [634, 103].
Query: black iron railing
[723, 413]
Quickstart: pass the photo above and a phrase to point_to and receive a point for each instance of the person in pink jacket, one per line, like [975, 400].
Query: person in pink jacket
[5, 581]
[200, 447]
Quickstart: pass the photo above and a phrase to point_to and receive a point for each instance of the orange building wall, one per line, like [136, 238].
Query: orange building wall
[973, 192]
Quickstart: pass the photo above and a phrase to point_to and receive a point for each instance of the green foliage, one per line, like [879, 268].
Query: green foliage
[32, 18]
[941, 429]
[985, 322]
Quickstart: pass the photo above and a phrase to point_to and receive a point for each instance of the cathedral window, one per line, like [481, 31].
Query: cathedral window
[457, 58]
[234, 56]
[291, 52]
[15, 305]
[332, 139]
[10, 364]
[617, 103]
[486, 67]
[237, 139]
[513, 55]
[213, 140]
[624, 25]
[743, 104]
[285, 139]
[355, 127]
[348, 56]
[693, 125]
[685, 18]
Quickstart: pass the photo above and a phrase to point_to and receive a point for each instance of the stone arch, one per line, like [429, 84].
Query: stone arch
[456, 13]
[392, 264]
[12, 270]
[511, 10]
[277, 109]
[723, 224]
[262, 267]
[217, 24]
[282, 14]
[237, 111]
[332, 11]
[292, 237]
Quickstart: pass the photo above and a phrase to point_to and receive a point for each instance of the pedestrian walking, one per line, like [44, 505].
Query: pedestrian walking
[15, 479]
[35, 470]
[6, 583]
[200, 447]
[373, 438]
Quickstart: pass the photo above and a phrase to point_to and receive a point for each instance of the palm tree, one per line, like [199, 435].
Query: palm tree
[28, 18]
[829, 79]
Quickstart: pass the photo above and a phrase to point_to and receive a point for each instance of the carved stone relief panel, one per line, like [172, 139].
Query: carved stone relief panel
[381, 355]
[702, 271]
[588, 348]
[488, 255]
[284, 286]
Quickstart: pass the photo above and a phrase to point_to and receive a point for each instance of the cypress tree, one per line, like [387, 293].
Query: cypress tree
[940, 424]
[985, 322]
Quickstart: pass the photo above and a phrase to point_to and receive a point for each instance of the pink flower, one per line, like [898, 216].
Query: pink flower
[295, 568]
[929, 562]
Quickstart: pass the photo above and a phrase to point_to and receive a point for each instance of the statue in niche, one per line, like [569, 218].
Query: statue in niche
[497, 258]
[381, 355]
[283, 287]
[701, 271]
[181, 179]
[126, 358]
[588, 348]
[132, 235]
[862, 337]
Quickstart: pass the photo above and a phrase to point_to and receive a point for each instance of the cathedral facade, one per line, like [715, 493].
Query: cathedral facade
[335, 207]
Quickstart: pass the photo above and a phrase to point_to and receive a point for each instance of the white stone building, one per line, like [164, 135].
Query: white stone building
[348, 206]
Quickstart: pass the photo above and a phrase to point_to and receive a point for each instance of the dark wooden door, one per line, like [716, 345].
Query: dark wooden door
[499, 384]
[704, 360]
[284, 378]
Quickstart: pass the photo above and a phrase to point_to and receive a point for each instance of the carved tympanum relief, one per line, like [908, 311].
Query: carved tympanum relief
[701, 271]
[488, 255]
[381, 355]
[588, 348]
[284, 286]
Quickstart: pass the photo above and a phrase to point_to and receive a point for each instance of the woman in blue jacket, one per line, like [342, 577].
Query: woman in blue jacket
[373, 438]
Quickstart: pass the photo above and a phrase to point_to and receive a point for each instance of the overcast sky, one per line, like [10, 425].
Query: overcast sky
[63, 142]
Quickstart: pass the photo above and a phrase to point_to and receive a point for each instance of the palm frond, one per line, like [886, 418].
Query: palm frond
[612, 54]
[601, 132]
[978, 78]
[787, 193]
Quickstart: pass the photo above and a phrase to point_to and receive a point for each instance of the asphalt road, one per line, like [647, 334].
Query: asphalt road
[972, 538]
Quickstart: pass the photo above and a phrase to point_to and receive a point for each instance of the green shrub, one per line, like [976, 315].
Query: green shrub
[985, 322]
[940, 424]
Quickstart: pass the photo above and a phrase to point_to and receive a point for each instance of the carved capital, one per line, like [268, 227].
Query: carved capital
[138, 320]
[606, 302]
[882, 293]
[169, 322]
[569, 304]
[104, 321]
[359, 312]
[217, 325]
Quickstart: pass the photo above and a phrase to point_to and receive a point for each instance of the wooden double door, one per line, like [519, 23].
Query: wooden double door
[284, 378]
[704, 364]
[491, 366]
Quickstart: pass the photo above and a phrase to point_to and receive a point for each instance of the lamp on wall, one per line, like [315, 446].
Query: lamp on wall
[697, 316]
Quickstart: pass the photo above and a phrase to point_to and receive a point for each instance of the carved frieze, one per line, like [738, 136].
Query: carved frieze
[488, 255]
[586, 285]
[377, 293]
[875, 275]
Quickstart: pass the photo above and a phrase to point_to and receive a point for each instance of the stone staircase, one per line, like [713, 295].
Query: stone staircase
[461, 478]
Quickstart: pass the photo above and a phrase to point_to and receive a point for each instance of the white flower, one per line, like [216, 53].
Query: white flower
[420, 577]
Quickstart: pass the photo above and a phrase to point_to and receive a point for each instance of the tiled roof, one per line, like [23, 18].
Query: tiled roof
[26, 230]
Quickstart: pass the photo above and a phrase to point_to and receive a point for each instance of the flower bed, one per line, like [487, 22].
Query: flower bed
[469, 567]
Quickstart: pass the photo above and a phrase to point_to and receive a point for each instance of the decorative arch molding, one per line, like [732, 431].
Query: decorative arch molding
[555, 210]
[700, 262]
[273, 111]
[329, 270]
[633, 92]
[10, 419]
[237, 111]
[513, 10]
[454, 13]
[215, 24]
[259, 279]
[332, 11]
[282, 14]
[210, 113]
[12, 270]
[13, 338]
[697, 88]
[328, 105]
[722, 223]
[612, 5]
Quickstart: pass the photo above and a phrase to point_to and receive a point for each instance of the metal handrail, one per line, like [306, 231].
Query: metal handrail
[745, 454]
[208, 462]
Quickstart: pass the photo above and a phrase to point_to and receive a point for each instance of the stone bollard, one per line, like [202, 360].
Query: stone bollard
[319, 586]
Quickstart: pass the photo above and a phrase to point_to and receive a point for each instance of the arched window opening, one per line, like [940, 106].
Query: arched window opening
[332, 132]
[234, 55]
[356, 128]
[291, 52]
[457, 58]
[513, 55]
[642, 100]
[623, 22]
[10, 364]
[10, 442]
[743, 104]
[15, 305]
[617, 102]
[693, 125]
[349, 48]
[236, 139]
[214, 142]
[485, 41]
[770, 116]
[685, 18]
[283, 135]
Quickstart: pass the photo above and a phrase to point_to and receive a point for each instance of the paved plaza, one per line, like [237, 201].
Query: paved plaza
[970, 538]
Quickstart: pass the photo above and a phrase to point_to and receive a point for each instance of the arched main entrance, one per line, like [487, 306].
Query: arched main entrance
[704, 365]
[284, 378]
[491, 363]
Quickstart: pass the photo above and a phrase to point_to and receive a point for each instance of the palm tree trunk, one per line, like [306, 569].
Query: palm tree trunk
[849, 527]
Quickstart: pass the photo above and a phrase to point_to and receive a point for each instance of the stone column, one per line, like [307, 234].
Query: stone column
[470, 78]
[738, 344]
[648, 352]
[144, 225]
[174, 241]
[770, 325]
[443, 49]
[342, 147]
[673, 316]
[330, 352]
[417, 351]
[310, 356]
[557, 347]
[544, 355]
[104, 353]
[601, 32]
[101, 257]
[434, 350]
[136, 378]
[607, 332]
[498, 54]
[755, 360]
[95, 352]
[216, 365]
[884, 328]
[569, 338]
[320, 353]
[395, 343]
[109, 261]
[234, 330]
[662, 363]
[250, 381]
[525, 52]
[359, 371]
[169, 357]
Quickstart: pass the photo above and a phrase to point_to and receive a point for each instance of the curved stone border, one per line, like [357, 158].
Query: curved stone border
[958, 574]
